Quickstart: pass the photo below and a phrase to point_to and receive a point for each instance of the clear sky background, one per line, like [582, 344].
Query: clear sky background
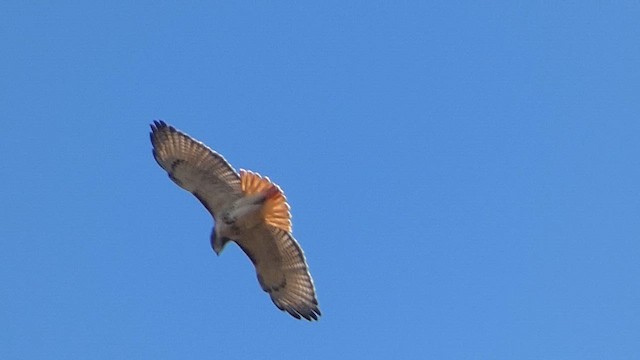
[464, 177]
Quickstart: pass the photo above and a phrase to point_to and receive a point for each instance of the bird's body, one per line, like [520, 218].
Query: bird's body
[247, 209]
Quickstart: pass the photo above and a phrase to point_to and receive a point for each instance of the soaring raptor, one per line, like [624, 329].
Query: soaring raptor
[247, 209]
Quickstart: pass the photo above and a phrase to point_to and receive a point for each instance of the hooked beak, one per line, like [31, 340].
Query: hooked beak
[217, 249]
[216, 243]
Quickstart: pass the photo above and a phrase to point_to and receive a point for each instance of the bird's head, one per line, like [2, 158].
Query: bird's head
[218, 242]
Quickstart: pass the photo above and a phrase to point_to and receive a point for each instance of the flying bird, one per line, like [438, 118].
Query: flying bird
[247, 209]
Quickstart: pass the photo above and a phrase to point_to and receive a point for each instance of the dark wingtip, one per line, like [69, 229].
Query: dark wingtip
[158, 125]
[294, 314]
[315, 313]
[309, 314]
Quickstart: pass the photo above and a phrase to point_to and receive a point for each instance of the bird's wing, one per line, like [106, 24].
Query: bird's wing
[195, 167]
[282, 270]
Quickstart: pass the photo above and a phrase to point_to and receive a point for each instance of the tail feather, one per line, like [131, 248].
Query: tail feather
[275, 209]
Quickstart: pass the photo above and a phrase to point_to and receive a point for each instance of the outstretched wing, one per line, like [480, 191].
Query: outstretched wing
[282, 270]
[195, 167]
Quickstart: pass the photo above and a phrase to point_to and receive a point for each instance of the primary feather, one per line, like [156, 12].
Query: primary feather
[247, 209]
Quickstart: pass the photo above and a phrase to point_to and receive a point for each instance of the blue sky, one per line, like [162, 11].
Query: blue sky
[464, 177]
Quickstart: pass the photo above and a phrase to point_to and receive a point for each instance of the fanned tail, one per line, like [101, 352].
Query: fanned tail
[275, 209]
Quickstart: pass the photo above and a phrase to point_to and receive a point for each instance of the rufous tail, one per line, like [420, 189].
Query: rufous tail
[275, 209]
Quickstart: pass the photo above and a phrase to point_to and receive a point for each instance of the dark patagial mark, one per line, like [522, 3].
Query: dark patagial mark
[175, 180]
[175, 163]
[278, 287]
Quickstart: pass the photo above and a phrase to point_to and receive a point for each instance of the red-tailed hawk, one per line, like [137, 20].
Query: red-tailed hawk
[247, 209]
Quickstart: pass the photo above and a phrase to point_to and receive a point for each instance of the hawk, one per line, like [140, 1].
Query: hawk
[247, 209]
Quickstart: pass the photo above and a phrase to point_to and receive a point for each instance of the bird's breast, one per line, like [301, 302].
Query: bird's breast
[239, 218]
[247, 216]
